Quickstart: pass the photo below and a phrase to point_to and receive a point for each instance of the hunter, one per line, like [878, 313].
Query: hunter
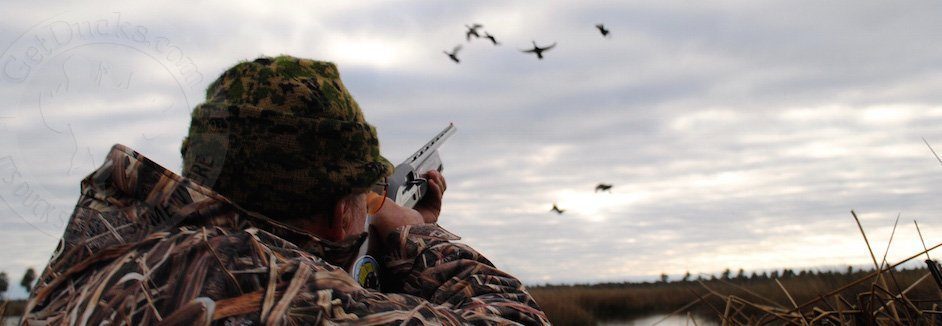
[280, 174]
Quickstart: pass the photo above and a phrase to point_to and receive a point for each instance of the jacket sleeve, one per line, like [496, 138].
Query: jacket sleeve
[422, 261]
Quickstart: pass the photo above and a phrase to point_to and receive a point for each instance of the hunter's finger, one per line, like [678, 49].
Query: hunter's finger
[439, 178]
[435, 186]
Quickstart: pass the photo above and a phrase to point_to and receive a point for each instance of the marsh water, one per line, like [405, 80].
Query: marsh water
[677, 320]
[11, 321]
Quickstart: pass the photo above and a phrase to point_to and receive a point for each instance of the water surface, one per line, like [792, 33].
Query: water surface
[11, 321]
[676, 320]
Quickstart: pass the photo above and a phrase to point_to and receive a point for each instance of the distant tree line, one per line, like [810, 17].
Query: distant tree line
[785, 273]
[26, 282]
[741, 276]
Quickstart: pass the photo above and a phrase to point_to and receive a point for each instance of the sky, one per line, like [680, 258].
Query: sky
[736, 134]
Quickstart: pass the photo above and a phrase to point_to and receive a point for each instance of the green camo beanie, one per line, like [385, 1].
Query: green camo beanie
[283, 137]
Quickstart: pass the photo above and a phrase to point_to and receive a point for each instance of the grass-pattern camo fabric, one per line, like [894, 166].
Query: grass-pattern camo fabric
[148, 247]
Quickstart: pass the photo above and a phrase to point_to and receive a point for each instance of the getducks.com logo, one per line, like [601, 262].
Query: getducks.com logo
[72, 86]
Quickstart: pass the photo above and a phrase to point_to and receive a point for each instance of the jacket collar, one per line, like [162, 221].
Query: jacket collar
[129, 191]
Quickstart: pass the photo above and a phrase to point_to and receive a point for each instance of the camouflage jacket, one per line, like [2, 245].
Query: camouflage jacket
[146, 246]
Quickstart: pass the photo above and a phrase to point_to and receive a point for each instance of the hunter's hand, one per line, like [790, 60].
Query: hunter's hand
[431, 204]
[392, 216]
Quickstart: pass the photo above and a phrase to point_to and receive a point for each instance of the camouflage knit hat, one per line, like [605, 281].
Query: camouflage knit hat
[283, 137]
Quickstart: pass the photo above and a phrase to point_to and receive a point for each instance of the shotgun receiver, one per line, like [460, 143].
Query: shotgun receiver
[406, 185]
[406, 188]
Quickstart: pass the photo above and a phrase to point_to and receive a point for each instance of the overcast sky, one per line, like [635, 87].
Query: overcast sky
[736, 134]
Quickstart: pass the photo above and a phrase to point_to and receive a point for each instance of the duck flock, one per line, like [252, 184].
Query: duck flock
[474, 31]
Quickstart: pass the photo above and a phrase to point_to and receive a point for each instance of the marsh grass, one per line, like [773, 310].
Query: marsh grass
[12, 308]
[589, 304]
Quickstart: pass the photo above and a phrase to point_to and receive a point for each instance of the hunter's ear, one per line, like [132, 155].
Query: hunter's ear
[337, 225]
